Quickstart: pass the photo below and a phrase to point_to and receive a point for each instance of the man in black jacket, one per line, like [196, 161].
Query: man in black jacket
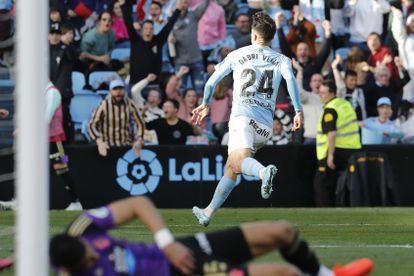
[61, 64]
[146, 50]
[310, 65]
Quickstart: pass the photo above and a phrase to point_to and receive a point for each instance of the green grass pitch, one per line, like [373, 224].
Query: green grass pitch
[337, 235]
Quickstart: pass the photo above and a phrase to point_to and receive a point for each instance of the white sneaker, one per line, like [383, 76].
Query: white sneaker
[202, 218]
[267, 182]
[8, 205]
[74, 206]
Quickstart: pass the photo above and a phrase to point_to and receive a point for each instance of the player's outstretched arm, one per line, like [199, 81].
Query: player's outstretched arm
[292, 86]
[123, 211]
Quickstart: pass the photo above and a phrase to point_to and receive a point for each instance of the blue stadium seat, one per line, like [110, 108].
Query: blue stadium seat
[121, 54]
[102, 93]
[84, 131]
[82, 107]
[78, 82]
[96, 78]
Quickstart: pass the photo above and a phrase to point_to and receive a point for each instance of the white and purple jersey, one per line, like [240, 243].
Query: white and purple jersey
[117, 257]
[257, 72]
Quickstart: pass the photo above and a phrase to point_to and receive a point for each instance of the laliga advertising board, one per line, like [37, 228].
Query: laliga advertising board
[175, 176]
[142, 175]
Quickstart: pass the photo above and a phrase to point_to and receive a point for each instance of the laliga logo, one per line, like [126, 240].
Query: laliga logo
[138, 175]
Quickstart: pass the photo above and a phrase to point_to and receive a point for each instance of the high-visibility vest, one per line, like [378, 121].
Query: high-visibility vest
[347, 129]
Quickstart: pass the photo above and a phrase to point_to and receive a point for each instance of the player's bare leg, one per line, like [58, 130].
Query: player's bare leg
[264, 237]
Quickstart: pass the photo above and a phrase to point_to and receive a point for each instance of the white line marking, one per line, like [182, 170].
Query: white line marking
[302, 225]
[406, 246]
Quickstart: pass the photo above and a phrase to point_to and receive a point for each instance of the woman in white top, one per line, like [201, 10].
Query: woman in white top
[404, 35]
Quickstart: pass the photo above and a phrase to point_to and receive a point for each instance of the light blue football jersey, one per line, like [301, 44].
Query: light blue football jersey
[257, 72]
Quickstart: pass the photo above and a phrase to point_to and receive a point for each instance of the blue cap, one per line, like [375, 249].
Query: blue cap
[384, 101]
[116, 83]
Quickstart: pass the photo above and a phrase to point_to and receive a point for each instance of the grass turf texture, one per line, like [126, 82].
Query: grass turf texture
[337, 235]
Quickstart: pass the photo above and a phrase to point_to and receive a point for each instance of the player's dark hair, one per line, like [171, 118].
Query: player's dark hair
[175, 103]
[331, 85]
[66, 251]
[264, 25]
[350, 73]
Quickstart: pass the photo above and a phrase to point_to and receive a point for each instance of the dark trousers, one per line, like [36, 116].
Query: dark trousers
[67, 121]
[325, 178]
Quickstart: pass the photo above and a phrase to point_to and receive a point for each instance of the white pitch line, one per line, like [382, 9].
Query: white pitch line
[405, 246]
[302, 225]
[352, 224]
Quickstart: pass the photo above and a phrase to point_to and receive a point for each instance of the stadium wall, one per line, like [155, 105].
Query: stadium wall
[183, 176]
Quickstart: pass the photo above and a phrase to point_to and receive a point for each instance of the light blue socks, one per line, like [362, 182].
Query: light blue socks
[223, 189]
[251, 166]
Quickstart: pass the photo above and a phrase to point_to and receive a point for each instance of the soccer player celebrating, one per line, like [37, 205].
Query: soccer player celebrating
[257, 72]
[86, 248]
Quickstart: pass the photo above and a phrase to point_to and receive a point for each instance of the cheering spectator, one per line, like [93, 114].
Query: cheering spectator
[241, 34]
[188, 53]
[171, 130]
[188, 101]
[119, 28]
[315, 11]
[381, 54]
[300, 30]
[97, 44]
[146, 50]
[150, 108]
[356, 62]
[110, 124]
[303, 56]
[348, 89]
[311, 103]
[382, 124]
[211, 29]
[384, 86]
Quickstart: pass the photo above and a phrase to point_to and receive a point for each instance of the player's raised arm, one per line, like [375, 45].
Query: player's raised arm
[292, 86]
[221, 70]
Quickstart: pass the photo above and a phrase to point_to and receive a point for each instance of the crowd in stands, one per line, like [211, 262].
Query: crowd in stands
[170, 48]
